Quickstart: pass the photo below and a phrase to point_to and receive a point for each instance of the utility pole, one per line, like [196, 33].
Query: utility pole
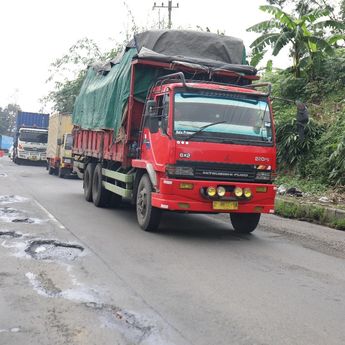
[169, 7]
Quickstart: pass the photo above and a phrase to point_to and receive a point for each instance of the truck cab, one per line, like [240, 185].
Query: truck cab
[64, 163]
[31, 145]
[212, 149]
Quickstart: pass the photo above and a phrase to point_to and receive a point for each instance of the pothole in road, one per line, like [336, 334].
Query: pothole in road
[131, 325]
[3, 175]
[52, 250]
[23, 220]
[11, 215]
[9, 234]
[43, 284]
[7, 210]
[9, 199]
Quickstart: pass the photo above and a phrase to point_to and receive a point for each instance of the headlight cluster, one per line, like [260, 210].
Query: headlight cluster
[174, 170]
[220, 191]
[243, 192]
[213, 191]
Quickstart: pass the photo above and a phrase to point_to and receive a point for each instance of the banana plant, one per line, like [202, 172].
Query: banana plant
[304, 34]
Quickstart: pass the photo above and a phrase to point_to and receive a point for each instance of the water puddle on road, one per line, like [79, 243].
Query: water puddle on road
[52, 250]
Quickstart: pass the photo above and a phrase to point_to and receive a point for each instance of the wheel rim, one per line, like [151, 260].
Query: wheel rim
[142, 203]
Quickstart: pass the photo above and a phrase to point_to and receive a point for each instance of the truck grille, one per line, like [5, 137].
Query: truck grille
[220, 171]
[35, 149]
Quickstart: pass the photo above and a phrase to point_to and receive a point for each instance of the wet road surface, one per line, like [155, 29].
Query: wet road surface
[72, 273]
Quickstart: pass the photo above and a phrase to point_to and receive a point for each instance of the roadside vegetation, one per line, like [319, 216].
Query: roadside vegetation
[314, 33]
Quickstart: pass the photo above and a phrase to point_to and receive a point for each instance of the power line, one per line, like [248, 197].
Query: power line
[169, 7]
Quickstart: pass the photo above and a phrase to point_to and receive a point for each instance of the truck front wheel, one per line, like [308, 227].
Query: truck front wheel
[87, 183]
[148, 216]
[51, 170]
[100, 195]
[244, 223]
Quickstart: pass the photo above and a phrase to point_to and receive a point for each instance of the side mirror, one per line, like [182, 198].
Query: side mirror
[59, 142]
[302, 117]
[151, 108]
[151, 116]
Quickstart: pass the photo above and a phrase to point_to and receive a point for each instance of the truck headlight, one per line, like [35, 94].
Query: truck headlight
[174, 170]
[211, 191]
[247, 193]
[221, 191]
[238, 191]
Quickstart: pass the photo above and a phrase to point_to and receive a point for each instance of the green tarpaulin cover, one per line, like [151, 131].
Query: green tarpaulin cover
[105, 91]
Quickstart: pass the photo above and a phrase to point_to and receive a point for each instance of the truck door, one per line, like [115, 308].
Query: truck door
[156, 143]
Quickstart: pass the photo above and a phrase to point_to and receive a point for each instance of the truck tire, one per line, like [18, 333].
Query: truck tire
[100, 195]
[244, 223]
[87, 183]
[147, 215]
[115, 200]
[50, 170]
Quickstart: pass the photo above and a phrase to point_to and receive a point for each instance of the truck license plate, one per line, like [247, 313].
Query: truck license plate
[225, 205]
[34, 158]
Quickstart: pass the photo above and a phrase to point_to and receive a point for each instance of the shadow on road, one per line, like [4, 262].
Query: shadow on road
[181, 225]
[196, 225]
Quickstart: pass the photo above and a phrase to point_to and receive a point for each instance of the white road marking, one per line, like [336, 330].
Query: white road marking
[50, 216]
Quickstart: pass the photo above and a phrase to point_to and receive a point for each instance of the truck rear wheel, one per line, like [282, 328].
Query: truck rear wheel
[147, 215]
[100, 195]
[244, 223]
[50, 168]
[87, 184]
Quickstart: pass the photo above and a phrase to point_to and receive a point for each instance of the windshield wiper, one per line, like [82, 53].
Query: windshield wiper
[202, 128]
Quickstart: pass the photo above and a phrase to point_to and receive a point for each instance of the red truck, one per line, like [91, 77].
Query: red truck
[177, 124]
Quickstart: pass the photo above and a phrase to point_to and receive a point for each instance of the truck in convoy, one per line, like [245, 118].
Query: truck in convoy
[5, 142]
[177, 123]
[59, 150]
[30, 142]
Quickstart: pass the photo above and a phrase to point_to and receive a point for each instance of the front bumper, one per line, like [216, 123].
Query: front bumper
[32, 155]
[172, 197]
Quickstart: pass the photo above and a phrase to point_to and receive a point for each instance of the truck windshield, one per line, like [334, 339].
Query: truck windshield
[34, 137]
[222, 118]
[69, 142]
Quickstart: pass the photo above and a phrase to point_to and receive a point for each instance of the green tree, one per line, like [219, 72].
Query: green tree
[68, 72]
[303, 34]
[8, 119]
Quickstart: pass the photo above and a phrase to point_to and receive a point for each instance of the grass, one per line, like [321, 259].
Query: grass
[314, 213]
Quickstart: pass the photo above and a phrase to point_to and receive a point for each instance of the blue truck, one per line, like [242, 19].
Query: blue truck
[31, 138]
[5, 142]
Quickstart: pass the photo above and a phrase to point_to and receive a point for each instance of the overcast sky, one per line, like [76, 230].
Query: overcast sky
[33, 33]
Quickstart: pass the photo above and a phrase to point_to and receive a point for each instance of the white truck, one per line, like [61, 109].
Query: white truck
[31, 137]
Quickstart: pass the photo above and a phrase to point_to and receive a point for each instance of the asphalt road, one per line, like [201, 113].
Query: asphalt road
[71, 273]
